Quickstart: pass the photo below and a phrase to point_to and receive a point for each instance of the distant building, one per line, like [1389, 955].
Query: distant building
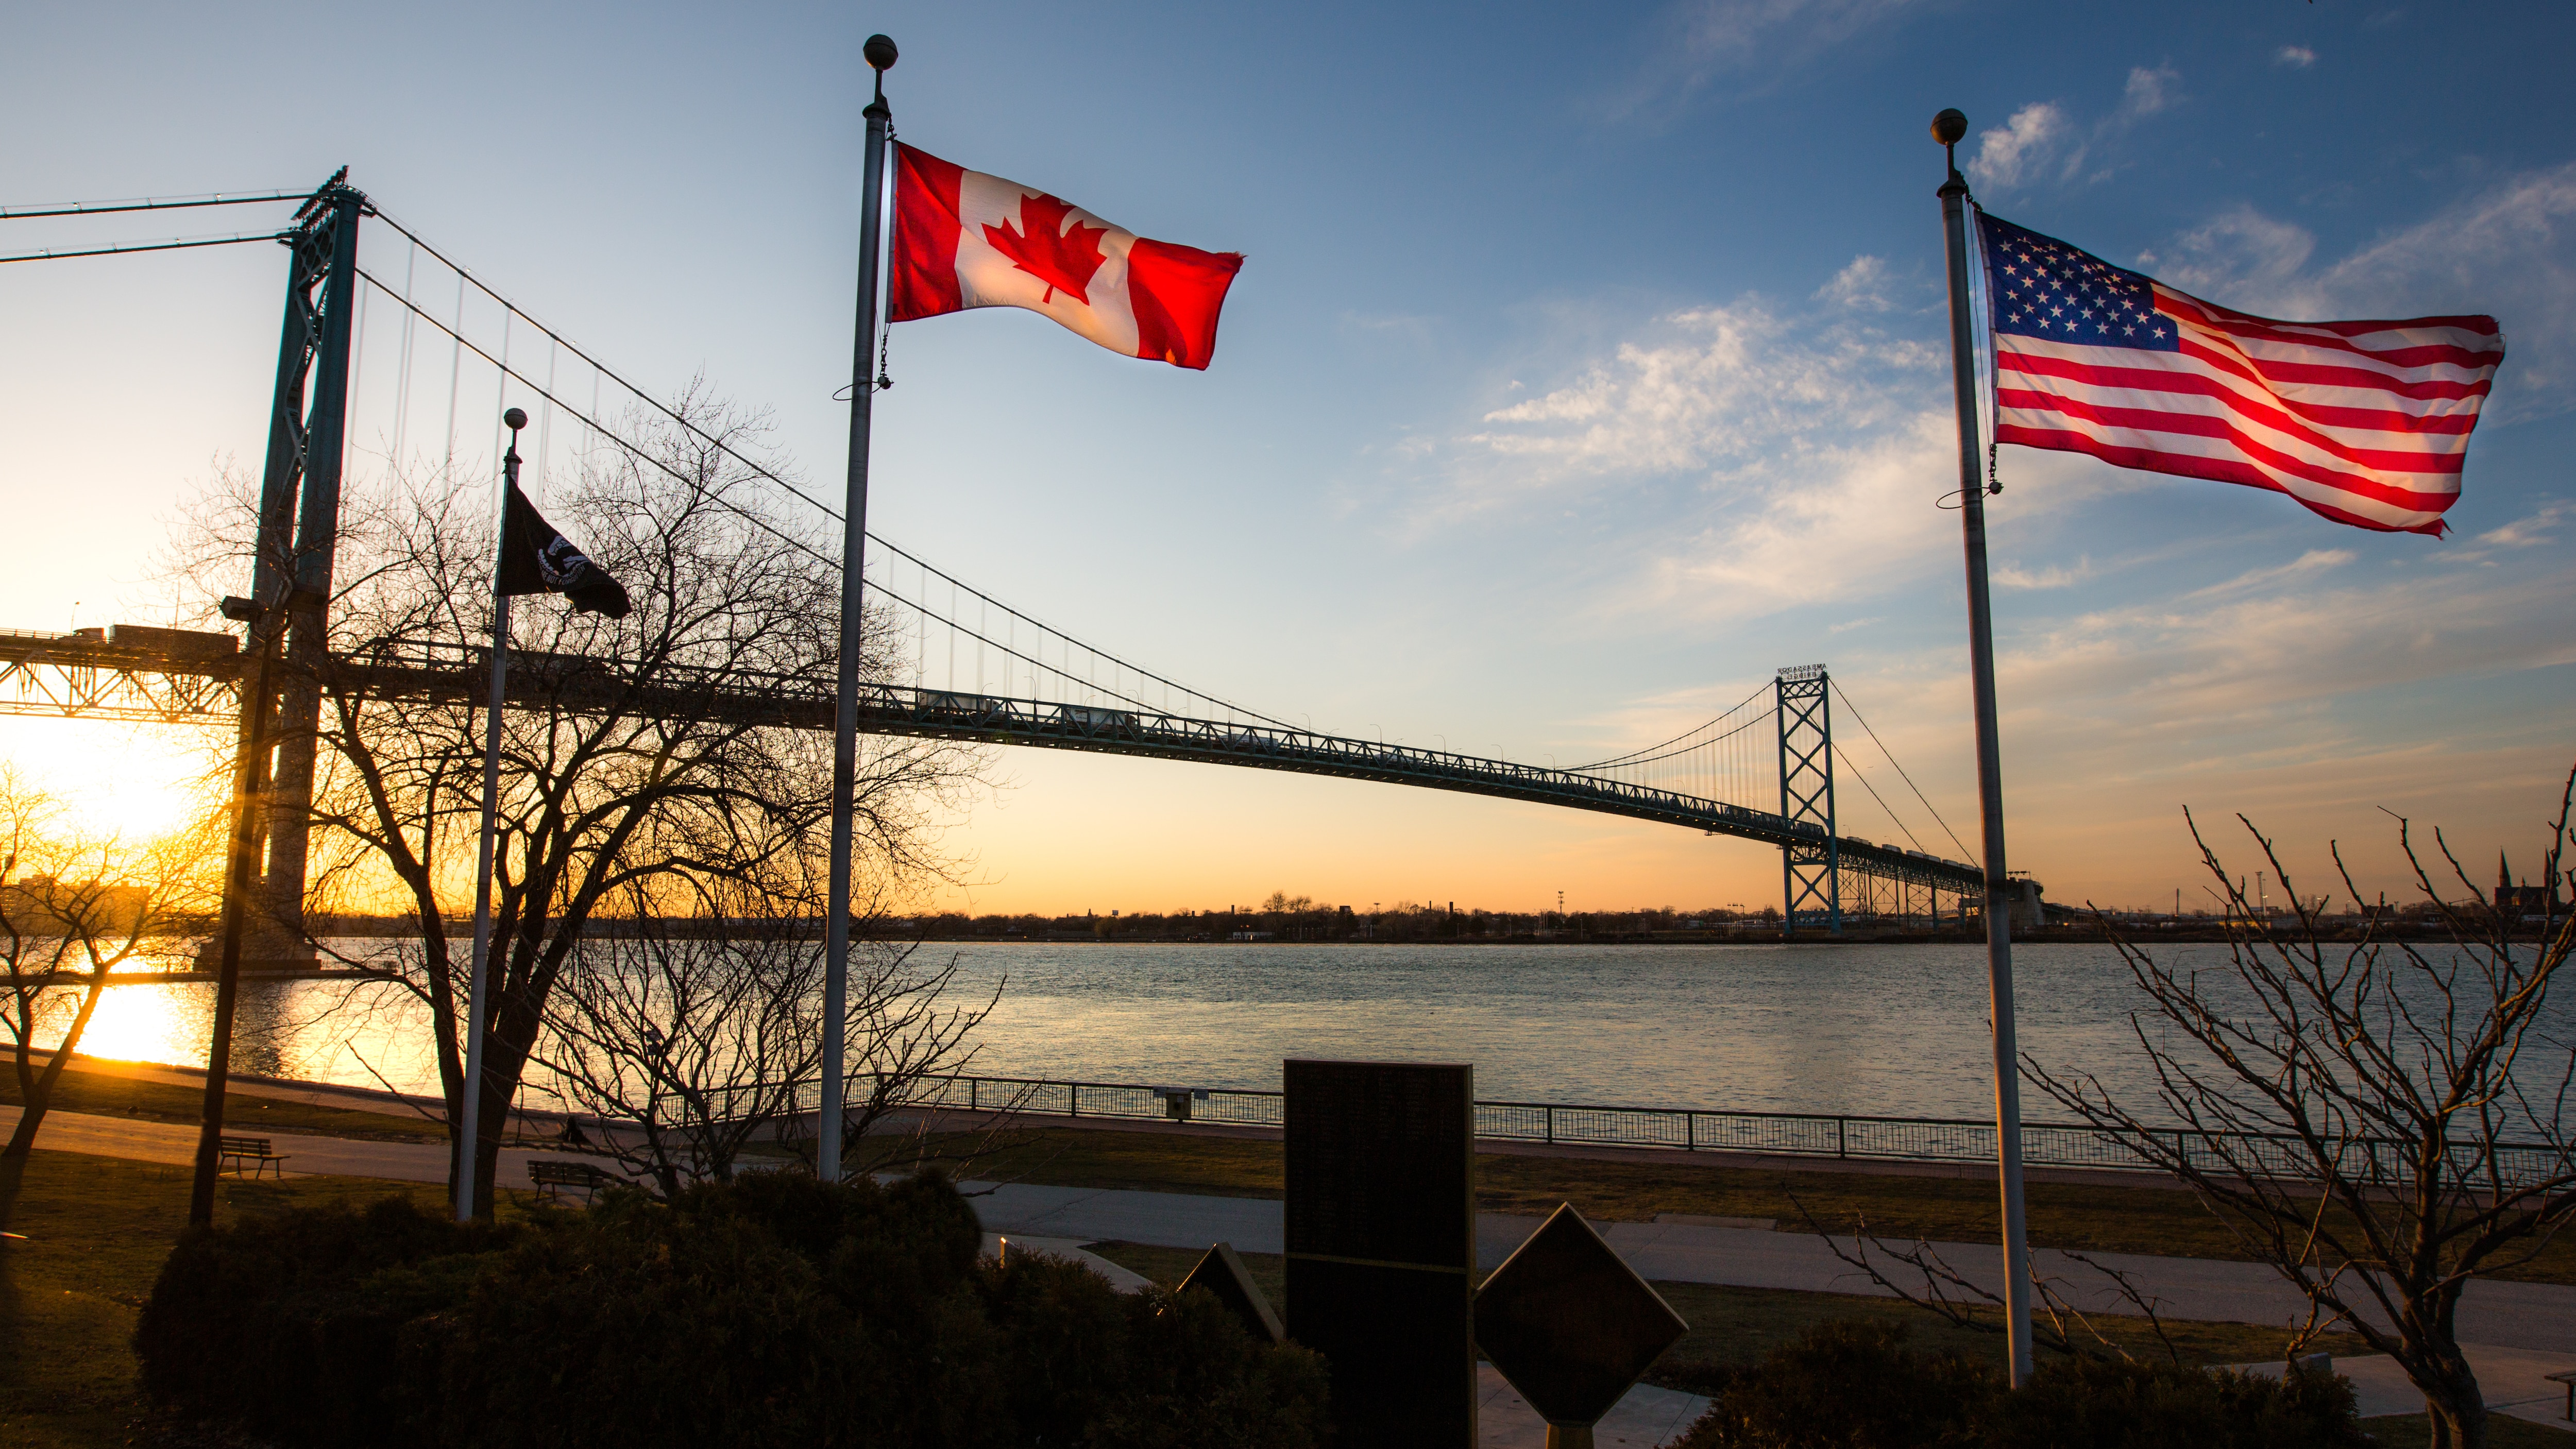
[2522, 900]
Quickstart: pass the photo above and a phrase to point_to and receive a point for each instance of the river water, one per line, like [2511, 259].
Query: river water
[1870, 1030]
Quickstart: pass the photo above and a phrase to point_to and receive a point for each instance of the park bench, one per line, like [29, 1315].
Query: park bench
[255, 1153]
[554, 1178]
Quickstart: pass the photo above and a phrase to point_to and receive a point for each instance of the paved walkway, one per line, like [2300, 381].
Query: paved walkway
[2514, 1381]
[142, 1141]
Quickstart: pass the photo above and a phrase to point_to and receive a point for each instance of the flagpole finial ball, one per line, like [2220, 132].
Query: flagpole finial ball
[880, 52]
[1949, 126]
[514, 420]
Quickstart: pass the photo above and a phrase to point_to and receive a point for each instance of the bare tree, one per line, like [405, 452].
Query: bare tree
[2379, 1120]
[74, 906]
[694, 1034]
[2059, 1325]
[634, 751]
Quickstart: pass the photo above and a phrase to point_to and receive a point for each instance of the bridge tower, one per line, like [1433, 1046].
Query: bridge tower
[299, 525]
[1810, 875]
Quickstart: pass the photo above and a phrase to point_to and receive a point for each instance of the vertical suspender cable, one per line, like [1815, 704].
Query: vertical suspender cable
[455, 371]
[402, 369]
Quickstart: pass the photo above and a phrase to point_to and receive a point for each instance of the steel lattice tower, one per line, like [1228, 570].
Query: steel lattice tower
[1810, 875]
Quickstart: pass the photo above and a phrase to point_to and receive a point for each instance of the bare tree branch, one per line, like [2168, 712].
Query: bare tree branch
[2380, 1121]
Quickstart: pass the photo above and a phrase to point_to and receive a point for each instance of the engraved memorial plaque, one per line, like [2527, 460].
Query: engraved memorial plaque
[1381, 1239]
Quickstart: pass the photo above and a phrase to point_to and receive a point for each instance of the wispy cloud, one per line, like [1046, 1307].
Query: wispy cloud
[2315, 561]
[2038, 140]
[2508, 250]
[2043, 143]
[1702, 41]
[1719, 391]
[2296, 57]
[2219, 659]
[2527, 532]
[1862, 286]
[2055, 576]
[1793, 455]
[2147, 93]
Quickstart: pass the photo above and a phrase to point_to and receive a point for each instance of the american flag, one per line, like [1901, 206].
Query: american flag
[2364, 422]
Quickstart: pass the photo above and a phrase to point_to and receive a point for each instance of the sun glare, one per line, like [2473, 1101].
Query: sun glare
[132, 781]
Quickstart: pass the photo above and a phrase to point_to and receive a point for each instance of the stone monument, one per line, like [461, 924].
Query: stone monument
[1381, 1240]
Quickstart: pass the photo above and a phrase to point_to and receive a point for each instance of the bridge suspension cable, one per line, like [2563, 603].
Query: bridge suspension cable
[1731, 758]
[1858, 774]
[147, 203]
[1964, 851]
[118, 249]
[970, 640]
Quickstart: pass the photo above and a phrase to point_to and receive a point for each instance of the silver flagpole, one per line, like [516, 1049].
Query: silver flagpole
[1947, 128]
[477, 988]
[880, 53]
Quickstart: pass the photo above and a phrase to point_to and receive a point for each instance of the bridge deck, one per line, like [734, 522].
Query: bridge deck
[65, 675]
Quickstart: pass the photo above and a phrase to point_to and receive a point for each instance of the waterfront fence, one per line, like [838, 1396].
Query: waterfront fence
[1695, 1129]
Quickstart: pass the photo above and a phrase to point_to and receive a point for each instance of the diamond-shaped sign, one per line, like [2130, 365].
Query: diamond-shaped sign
[1568, 1324]
[1222, 1274]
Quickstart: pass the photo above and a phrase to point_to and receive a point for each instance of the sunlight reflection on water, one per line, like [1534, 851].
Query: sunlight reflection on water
[1869, 1030]
[323, 1031]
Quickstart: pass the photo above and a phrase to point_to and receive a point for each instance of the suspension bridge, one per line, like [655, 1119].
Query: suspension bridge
[975, 670]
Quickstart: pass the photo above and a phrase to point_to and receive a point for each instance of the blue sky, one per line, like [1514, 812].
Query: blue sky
[1588, 364]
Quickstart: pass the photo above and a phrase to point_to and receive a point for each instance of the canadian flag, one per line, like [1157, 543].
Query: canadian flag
[964, 239]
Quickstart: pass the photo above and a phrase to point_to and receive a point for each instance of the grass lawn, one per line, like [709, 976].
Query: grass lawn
[103, 1094]
[2144, 1218]
[97, 1230]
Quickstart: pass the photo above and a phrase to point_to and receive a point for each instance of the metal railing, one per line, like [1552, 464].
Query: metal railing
[1690, 1129]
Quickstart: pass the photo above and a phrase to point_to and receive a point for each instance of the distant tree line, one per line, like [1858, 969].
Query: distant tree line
[1302, 918]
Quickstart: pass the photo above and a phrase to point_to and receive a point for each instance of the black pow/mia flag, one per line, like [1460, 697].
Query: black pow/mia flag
[536, 560]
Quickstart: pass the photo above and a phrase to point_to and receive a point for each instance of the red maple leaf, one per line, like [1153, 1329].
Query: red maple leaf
[1044, 247]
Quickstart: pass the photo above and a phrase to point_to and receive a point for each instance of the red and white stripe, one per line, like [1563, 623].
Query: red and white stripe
[966, 239]
[2366, 423]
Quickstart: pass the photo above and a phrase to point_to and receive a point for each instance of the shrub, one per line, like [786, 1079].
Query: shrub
[642, 1327]
[1851, 1384]
[1855, 1385]
[774, 1310]
[1195, 1377]
[2090, 1403]
[292, 1320]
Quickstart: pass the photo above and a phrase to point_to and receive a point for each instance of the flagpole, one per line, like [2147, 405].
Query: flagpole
[469, 1143]
[880, 53]
[1947, 128]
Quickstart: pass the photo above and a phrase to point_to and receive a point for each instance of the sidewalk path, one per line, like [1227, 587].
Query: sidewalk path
[141, 1141]
[2514, 1381]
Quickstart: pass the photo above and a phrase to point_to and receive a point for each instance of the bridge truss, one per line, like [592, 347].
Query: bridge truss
[109, 674]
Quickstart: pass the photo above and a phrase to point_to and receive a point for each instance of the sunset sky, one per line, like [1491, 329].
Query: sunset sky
[1588, 364]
